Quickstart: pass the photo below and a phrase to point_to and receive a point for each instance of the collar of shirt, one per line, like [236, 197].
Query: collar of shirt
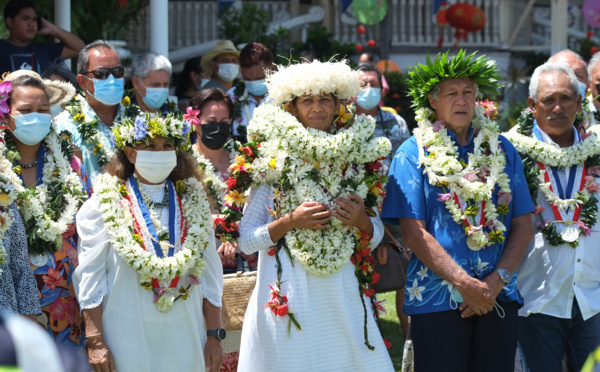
[546, 138]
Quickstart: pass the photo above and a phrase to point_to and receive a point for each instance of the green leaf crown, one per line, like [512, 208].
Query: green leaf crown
[483, 71]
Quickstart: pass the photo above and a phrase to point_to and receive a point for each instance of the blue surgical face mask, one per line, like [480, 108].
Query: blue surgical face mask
[582, 88]
[257, 87]
[228, 71]
[201, 85]
[32, 128]
[108, 91]
[155, 97]
[369, 98]
[55, 110]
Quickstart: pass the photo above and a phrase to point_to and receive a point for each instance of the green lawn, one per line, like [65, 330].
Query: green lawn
[392, 331]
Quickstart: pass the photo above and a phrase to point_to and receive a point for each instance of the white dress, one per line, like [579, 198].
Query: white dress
[328, 308]
[139, 336]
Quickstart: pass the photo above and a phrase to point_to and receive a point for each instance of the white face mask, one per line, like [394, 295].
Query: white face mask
[155, 166]
[228, 71]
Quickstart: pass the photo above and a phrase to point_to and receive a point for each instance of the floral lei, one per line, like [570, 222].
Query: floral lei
[473, 182]
[89, 131]
[8, 194]
[534, 152]
[157, 274]
[49, 208]
[215, 185]
[304, 164]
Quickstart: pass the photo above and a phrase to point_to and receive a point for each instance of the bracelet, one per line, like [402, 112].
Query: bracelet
[97, 334]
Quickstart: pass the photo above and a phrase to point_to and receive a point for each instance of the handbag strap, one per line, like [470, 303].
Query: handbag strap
[389, 234]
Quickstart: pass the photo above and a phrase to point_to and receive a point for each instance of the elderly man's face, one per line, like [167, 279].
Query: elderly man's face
[575, 64]
[595, 83]
[455, 103]
[557, 104]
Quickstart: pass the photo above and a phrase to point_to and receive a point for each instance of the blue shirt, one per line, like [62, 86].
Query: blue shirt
[409, 195]
[34, 56]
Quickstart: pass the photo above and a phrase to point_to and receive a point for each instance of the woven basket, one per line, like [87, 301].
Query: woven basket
[237, 289]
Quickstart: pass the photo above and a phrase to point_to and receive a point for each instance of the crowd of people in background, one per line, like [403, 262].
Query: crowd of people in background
[126, 196]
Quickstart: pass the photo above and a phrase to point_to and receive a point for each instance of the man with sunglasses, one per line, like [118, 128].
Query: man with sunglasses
[89, 118]
[23, 24]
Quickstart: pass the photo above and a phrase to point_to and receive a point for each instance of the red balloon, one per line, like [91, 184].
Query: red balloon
[361, 29]
[371, 43]
[359, 48]
[594, 50]
[466, 17]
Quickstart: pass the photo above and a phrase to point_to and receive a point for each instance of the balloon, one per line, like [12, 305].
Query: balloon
[369, 12]
[359, 48]
[371, 43]
[361, 29]
[591, 12]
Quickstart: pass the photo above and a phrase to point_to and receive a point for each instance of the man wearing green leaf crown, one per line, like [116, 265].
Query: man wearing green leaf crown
[559, 278]
[451, 188]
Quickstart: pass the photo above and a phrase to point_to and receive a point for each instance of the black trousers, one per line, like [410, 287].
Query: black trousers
[443, 341]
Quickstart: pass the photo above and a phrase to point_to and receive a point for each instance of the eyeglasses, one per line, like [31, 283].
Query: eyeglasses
[104, 73]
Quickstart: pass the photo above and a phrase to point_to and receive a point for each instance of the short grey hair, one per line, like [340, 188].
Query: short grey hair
[83, 60]
[552, 67]
[595, 59]
[435, 92]
[144, 63]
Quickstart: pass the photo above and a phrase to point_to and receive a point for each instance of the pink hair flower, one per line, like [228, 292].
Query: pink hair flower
[5, 88]
[192, 116]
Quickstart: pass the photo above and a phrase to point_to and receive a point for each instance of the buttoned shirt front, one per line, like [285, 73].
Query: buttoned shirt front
[550, 277]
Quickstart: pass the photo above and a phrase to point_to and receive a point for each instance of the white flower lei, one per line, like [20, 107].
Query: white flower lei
[118, 221]
[9, 193]
[210, 175]
[444, 168]
[56, 168]
[319, 252]
[555, 156]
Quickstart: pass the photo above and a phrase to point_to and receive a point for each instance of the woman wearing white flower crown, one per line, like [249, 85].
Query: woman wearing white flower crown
[315, 173]
[51, 185]
[149, 276]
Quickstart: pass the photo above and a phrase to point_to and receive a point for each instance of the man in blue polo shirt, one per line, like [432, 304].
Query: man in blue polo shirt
[458, 191]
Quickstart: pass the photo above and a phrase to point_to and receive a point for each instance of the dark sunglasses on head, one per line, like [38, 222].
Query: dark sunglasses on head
[104, 73]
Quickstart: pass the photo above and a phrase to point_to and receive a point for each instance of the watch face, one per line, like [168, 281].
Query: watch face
[221, 333]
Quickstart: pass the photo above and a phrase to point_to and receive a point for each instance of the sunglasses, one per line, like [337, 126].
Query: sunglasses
[104, 73]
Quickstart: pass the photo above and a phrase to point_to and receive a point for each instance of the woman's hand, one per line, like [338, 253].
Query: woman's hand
[311, 215]
[213, 354]
[228, 250]
[99, 356]
[351, 211]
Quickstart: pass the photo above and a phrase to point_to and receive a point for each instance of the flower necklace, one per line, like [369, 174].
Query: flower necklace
[213, 181]
[240, 100]
[8, 194]
[50, 207]
[582, 203]
[467, 185]
[118, 202]
[304, 164]
[88, 128]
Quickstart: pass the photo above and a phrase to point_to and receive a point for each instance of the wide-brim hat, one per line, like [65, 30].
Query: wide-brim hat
[58, 92]
[222, 47]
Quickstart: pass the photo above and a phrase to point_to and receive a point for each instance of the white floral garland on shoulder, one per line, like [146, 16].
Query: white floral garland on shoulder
[319, 169]
[8, 194]
[555, 156]
[118, 221]
[443, 169]
[34, 204]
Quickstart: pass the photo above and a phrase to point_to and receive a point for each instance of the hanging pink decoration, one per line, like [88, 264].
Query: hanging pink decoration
[591, 12]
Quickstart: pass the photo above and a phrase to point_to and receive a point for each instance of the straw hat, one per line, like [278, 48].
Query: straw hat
[58, 91]
[222, 47]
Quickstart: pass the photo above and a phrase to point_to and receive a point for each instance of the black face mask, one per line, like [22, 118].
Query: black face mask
[215, 134]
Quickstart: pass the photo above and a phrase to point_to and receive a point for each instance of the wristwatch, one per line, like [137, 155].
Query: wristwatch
[220, 333]
[504, 275]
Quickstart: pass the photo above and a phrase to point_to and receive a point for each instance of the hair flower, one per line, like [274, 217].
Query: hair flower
[192, 116]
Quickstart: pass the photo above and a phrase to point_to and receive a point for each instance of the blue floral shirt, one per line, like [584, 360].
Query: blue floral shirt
[409, 195]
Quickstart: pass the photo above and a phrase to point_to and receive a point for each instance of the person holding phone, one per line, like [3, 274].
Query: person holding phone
[17, 52]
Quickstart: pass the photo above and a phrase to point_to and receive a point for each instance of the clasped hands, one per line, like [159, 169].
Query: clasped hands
[315, 215]
[480, 295]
